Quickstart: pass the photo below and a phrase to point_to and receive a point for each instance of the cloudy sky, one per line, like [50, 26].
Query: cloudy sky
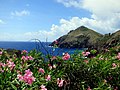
[23, 20]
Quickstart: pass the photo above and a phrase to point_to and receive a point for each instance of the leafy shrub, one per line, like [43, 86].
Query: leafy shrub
[33, 71]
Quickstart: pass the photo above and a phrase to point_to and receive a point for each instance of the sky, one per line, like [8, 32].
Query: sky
[23, 20]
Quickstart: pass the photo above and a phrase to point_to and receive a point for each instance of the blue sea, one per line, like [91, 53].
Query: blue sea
[39, 46]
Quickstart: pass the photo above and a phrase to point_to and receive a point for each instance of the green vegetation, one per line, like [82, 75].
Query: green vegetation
[86, 70]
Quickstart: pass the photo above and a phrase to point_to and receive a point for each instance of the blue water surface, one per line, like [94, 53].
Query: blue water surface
[39, 46]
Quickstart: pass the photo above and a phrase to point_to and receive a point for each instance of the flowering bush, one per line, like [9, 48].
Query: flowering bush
[66, 56]
[32, 71]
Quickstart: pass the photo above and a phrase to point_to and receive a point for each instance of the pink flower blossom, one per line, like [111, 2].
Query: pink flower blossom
[48, 78]
[2, 64]
[41, 70]
[27, 77]
[10, 64]
[1, 52]
[20, 77]
[26, 58]
[43, 87]
[118, 56]
[60, 82]
[114, 65]
[30, 58]
[24, 52]
[28, 72]
[66, 56]
[30, 80]
[85, 53]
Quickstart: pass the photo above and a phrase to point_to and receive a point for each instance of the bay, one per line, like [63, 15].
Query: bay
[39, 46]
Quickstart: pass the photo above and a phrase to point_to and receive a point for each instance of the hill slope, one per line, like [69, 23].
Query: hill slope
[84, 37]
[81, 37]
[113, 40]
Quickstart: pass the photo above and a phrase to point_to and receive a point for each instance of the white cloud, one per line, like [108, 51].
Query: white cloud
[70, 3]
[105, 14]
[102, 9]
[20, 13]
[2, 22]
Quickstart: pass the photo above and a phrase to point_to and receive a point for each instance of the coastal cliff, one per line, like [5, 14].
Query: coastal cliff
[84, 37]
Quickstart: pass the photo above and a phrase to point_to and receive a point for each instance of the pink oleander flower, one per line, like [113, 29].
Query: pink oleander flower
[30, 80]
[24, 52]
[10, 64]
[114, 65]
[48, 78]
[66, 56]
[2, 64]
[60, 82]
[43, 87]
[41, 70]
[24, 58]
[30, 58]
[27, 77]
[20, 77]
[28, 73]
[1, 52]
[85, 53]
[118, 56]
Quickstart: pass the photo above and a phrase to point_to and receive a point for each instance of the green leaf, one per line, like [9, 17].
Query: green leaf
[14, 87]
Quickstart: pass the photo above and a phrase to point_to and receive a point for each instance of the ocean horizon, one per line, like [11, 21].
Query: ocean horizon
[39, 46]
